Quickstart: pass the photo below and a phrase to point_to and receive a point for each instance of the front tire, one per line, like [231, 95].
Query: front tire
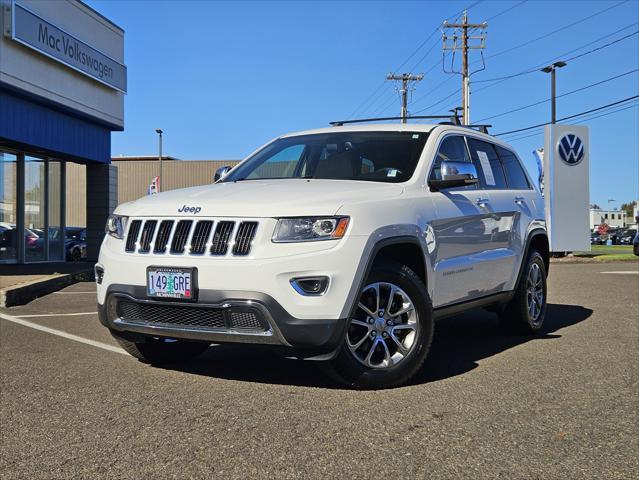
[526, 311]
[389, 332]
[161, 351]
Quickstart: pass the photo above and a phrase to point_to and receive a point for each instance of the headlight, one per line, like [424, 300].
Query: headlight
[115, 226]
[310, 229]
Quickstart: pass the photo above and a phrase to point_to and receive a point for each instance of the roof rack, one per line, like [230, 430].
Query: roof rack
[451, 118]
[448, 120]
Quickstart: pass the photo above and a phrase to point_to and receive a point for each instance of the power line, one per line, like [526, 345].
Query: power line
[505, 11]
[569, 116]
[540, 132]
[560, 29]
[536, 67]
[499, 80]
[559, 96]
[374, 97]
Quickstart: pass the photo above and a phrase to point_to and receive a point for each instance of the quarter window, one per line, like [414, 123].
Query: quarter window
[515, 174]
[491, 174]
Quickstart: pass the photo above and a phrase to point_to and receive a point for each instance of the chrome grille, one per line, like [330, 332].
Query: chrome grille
[163, 236]
[191, 237]
[220, 244]
[134, 231]
[180, 236]
[147, 234]
[244, 237]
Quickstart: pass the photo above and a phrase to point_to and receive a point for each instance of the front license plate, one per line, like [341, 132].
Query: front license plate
[171, 282]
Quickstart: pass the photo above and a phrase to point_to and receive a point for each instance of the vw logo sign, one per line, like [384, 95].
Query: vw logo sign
[571, 149]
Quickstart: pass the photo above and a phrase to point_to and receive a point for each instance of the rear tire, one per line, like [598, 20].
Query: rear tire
[161, 351]
[526, 311]
[399, 342]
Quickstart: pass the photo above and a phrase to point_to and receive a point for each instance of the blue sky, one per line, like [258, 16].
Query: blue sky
[221, 78]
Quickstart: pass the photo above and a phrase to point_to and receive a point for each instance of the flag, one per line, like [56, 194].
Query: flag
[539, 157]
[154, 187]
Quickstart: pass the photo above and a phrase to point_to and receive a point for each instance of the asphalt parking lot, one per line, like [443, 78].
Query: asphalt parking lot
[487, 405]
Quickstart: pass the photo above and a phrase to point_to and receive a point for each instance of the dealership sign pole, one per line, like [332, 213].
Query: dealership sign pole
[566, 186]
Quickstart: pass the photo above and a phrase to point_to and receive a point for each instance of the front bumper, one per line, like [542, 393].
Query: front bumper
[217, 317]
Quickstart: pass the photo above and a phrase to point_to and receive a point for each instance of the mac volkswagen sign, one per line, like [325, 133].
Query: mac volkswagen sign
[38, 34]
[570, 149]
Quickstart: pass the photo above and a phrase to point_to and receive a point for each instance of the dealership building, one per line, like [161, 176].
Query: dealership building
[62, 87]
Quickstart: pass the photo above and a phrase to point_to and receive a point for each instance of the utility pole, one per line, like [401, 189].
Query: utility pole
[463, 43]
[553, 96]
[405, 78]
[159, 132]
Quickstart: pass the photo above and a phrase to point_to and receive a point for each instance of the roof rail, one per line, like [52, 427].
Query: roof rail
[451, 118]
[483, 128]
[448, 120]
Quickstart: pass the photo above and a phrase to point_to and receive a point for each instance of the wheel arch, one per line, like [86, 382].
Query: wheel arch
[405, 249]
[537, 239]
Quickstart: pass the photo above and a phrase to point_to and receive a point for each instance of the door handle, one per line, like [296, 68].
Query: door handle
[519, 200]
[482, 202]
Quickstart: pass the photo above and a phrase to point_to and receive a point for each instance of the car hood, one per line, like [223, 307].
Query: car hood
[260, 198]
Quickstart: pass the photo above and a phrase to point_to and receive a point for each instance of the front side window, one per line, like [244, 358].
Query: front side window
[489, 169]
[367, 156]
[515, 174]
[452, 149]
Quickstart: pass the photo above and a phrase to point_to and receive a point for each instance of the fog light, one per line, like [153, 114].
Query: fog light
[310, 286]
[99, 274]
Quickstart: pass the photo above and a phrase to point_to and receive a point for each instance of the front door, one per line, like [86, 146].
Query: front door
[464, 233]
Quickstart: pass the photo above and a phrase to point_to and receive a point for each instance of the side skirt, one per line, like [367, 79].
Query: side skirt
[487, 301]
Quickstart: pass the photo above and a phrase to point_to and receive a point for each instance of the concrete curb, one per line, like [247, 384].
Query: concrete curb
[25, 292]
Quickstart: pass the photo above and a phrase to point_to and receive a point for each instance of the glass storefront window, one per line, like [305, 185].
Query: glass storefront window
[56, 236]
[34, 209]
[8, 207]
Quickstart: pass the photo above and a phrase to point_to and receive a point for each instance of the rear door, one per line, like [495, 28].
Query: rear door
[462, 244]
[504, 225]
[523, 196]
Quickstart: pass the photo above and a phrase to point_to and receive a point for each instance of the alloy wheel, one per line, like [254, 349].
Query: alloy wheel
[384, 328]
[535, 293]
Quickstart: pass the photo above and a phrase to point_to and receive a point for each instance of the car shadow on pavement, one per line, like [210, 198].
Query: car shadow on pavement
[460, 342]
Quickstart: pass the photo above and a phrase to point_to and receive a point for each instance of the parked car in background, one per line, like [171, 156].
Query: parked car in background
[8, 243]
[75, 244]
[627, 236]
[596, 239]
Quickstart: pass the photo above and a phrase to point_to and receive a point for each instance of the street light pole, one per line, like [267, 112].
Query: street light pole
[553, 95]
[159, 132]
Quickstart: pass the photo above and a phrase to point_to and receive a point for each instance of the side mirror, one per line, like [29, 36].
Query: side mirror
[455, 174]
[220, 172]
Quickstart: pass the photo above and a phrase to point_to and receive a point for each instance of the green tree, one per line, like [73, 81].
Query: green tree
[628, 208]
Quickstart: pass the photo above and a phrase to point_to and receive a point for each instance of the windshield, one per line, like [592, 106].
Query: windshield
[368, 156]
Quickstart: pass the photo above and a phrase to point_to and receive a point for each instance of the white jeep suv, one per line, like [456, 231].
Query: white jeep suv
[342, 244]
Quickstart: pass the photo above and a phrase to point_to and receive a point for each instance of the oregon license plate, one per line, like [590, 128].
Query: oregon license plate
[171, 282]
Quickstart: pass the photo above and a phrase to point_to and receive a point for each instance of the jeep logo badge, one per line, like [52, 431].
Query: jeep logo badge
[187, 209]
[570, 149]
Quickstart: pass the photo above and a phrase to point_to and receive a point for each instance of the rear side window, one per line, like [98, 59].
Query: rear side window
[491, 174]
[515, 174]
[452, 149]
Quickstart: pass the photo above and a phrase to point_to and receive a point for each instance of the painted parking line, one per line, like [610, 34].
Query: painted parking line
[58, 314]
[60, 333]
[624, 272]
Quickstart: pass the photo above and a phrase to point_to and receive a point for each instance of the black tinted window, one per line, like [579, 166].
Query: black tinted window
[452, 149]
[514, 172]
[370, 156]
[491, 175]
